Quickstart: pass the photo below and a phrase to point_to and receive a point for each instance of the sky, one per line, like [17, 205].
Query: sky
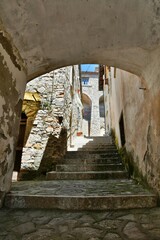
[88, 67]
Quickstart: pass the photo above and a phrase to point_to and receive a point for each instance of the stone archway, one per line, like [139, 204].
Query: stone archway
[38, 36]
[121, 34]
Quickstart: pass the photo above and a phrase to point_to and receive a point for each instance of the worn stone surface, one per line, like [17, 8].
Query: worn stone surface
[113, 174]
[85, 173]
[88, 187]
[88, 167]
[93, 225]
[24, 228]
[132, 231]
[80, 194]
[83, 189]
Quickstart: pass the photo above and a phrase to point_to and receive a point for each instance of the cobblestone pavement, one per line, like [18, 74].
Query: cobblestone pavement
[142, 224]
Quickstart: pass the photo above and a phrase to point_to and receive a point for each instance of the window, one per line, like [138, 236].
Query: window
[85, 80]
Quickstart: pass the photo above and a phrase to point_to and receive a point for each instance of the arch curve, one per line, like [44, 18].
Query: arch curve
[87, 107]
[86, 32]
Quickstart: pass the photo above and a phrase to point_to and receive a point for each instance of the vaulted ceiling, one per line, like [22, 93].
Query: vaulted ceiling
[50, 34]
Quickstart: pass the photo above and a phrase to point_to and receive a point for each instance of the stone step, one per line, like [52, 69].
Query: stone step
[86, 175]
[92, 160]
[99, 145]
[88, 167]
[93, 150]
[80, 195]
[101, 139]
[97, 149]
[90, 154]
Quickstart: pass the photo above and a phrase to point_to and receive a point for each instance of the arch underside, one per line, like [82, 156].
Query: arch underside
[86, 99]
[52, 34]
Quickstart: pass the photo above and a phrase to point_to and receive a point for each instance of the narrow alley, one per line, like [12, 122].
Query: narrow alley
[89, 196]
[79, 120]
[76, 183]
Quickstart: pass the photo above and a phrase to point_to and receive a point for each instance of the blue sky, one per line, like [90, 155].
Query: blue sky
[88, 67]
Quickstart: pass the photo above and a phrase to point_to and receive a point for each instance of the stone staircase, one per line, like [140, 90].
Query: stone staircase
[92, 178]
[95, 160]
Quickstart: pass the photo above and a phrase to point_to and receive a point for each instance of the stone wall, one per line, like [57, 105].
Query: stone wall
[51, 89]
[57, 101]
[138, 99]
[54, 151]
[12, 85]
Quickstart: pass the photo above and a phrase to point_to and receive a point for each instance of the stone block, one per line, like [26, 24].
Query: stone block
[132, 232]
[24, 228]
[49, 130]
[37, 146]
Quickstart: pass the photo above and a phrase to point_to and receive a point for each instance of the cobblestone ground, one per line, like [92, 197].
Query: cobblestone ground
[142, 224]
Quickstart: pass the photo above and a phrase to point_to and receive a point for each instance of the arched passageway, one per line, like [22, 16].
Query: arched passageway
[39, 36]
[47, 37]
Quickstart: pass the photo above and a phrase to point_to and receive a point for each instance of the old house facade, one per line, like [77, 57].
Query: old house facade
[93, 104]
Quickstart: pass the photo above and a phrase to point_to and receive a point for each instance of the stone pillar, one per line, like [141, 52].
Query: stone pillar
[12, 86]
